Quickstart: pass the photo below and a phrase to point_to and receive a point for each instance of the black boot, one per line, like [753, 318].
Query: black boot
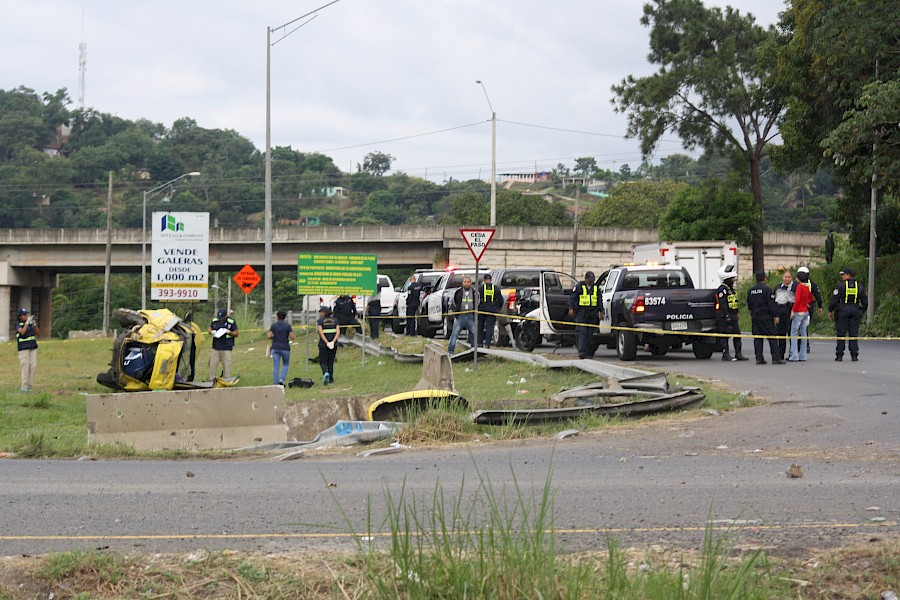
[726, 356]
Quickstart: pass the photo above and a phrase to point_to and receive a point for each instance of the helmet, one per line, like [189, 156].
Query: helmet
[727, 272]
[803, 270]
[589, 275]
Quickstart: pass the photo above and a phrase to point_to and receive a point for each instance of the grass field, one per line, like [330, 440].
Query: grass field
[50, 421]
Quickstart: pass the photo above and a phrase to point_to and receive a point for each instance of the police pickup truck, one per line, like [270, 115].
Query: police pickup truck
[657, 305]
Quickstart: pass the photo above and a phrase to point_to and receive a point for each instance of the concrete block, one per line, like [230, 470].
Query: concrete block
[213, 419]
[437, 370]
[307, 419]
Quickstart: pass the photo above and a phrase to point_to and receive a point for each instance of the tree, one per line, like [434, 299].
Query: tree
[716, 87]
[376, 163]
[841, 57]
[867, 142]
[633, 204]
[513, 208]
[714, 211]
[585, 166]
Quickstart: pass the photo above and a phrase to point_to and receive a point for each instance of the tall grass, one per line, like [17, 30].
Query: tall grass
[501, 545]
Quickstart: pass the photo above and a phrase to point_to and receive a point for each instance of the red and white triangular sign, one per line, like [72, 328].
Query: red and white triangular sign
[478, 240]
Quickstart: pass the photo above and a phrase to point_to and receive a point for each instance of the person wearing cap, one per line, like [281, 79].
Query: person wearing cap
[328, 330]
[803, 298]
[27, 333]
[761, 303]
[223, 329]
[282, 334]
[586, 305]
[803, 279]
[846, 306]
[489, 306]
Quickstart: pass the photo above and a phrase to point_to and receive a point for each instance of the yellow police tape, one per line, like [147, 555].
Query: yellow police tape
[663, 331]
[611, 327]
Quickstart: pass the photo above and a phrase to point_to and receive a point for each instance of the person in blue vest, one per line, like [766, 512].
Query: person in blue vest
[328, 330]
[586, 305]
[223, 329]
[846, 306]
[26, 340]
[282, 334]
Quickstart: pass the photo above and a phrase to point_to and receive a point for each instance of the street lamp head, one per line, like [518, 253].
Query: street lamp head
[193, 173]
[478, 81]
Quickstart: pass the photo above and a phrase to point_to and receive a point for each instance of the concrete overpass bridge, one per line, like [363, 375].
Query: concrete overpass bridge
[32, 259]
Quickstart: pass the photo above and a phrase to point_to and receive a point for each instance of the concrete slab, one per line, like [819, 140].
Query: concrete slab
[217, 419]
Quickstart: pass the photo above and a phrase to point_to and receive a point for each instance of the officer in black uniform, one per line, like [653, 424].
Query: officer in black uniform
[413, 298]
[345, 314]
[727, 311]
[761, 304]
[488, 307]
[848, 301]
[586, 305]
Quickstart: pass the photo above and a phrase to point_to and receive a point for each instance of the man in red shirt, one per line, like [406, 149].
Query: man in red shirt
[799, 322]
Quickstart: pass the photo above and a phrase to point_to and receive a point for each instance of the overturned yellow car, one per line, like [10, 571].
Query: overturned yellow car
[157, 351]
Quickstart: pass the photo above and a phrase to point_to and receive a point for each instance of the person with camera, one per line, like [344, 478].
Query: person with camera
[26, 340]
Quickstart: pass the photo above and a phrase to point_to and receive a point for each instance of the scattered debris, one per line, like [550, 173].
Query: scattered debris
[873, 508]
[722, 447]
[795, 471]
[566, 434]
[189, 474]
[711, 411]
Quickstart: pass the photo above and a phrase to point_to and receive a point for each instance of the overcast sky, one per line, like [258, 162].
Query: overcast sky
[362, 73]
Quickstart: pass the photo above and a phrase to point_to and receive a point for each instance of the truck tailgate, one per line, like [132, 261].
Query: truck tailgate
[679, 310]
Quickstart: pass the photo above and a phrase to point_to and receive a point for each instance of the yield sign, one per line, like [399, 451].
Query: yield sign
[478, 240]
[247, 279]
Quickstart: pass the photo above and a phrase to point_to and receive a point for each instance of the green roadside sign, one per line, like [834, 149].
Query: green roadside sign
[337, 274]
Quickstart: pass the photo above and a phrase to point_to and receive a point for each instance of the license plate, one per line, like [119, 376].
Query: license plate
[679, 326]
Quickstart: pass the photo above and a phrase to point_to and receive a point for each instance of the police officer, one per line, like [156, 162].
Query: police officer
[345, 314]
[784, 302]
[328, 331]
[222, 343]
[26, 342]
[848, 301]
[586, 305]
[488, 307]
[413, 299]
[761, 304]
[727, 311]
[803, 279]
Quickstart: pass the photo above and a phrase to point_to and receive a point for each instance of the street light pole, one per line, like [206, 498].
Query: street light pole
[146, 196]
[493, 156]
[267, 271]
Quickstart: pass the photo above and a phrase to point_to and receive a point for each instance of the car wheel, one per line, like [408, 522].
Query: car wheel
[703, 350]
[396, 325]
[626, 344]
[501, 340]
[448, 327]
[528, 336]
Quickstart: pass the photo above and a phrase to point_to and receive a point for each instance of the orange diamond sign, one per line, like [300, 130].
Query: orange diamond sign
[247, 279]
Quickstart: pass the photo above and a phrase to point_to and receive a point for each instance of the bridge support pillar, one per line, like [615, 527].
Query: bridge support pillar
[6, 313]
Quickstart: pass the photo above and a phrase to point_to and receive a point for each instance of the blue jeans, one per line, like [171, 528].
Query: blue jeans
[798, 327]
[282, 357]
[461, 321]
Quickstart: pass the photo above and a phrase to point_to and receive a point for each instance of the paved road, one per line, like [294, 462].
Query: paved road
[645, 483]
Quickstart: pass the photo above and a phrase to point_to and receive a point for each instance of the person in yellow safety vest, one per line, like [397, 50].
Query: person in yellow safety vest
[847, 303]
[727, 311]
[586, 305]
[26, 341]
[489, 305]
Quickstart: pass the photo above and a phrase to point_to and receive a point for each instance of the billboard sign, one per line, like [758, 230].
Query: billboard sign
[180, 257]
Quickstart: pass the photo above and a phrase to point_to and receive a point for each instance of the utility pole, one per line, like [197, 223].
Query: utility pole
[107, 270]
[873, 237]
[575, 232]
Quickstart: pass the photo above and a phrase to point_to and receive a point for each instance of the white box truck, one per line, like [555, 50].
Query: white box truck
[701, 259]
